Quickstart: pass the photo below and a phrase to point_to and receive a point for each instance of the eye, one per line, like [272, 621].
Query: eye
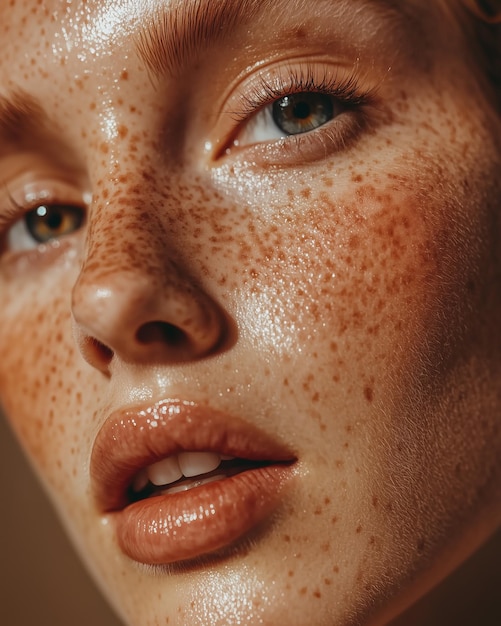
[293, 114]
[44, 223]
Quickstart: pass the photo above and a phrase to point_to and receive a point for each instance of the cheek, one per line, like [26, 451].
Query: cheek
[356, 281]
[367, 309]
[41, 383]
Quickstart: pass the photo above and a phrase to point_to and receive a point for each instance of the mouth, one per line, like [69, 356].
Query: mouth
[181, 481]
[185, 471]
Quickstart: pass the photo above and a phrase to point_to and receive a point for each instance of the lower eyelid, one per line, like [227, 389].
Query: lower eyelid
[333, 137]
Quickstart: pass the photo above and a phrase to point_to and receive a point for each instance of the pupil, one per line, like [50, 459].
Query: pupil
[54, 220]
[302, 110]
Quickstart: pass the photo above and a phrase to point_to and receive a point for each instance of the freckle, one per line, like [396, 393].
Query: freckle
[124, 75]
[375, 502]
[303, 591]
[317, 511]
[298, 33]
[104, 148]
[354, 242]
[368, 393]
[358, 530]
[317, 594]
[327, 501]
[335, 569]
[306, 193]
[339, 463]
[123, 131]
[325, 547]
[328, 182]
[287, 538]
[372, 540]
[334, 519]
[291, 573]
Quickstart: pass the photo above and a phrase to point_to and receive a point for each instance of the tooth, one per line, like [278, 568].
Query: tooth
[186, 486]
[165, 471]
[195, 463]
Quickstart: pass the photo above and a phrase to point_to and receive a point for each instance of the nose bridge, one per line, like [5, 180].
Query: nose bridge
[125, 234]
[133, 296]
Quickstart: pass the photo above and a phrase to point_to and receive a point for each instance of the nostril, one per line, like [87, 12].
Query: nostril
[162, 332]
[98, 351]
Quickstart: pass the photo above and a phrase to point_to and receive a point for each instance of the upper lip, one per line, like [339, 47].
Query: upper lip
[134, 438]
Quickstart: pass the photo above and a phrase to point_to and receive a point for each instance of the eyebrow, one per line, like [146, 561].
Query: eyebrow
[21, 116]
[25, 126]
[175, 33]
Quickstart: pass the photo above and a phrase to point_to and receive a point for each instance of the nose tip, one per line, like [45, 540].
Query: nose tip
[133, 318]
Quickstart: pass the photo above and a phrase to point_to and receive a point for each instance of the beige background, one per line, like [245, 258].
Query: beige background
[41, 580]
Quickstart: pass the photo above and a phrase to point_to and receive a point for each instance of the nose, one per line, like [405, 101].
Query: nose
[132, 302]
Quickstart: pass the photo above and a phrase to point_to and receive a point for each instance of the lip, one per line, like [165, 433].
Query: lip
[174, 527]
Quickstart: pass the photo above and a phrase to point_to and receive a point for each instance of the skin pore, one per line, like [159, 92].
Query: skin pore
[338, 289]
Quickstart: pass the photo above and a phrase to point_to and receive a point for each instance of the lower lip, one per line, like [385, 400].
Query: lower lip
[177, 527]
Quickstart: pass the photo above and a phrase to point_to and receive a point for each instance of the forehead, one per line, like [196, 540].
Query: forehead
[80, 31]
[108, 16]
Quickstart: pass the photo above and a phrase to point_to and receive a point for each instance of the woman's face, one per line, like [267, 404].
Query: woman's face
[262, 230]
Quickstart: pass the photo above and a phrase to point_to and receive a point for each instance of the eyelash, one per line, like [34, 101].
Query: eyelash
[298, 80]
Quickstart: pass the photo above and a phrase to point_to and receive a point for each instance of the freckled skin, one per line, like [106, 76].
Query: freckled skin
[348, 305]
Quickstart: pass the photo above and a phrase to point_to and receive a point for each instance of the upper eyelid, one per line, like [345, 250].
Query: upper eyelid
[51, 192]
[263, 90]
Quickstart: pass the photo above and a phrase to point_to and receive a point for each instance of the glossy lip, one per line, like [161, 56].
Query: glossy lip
[175, 527]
